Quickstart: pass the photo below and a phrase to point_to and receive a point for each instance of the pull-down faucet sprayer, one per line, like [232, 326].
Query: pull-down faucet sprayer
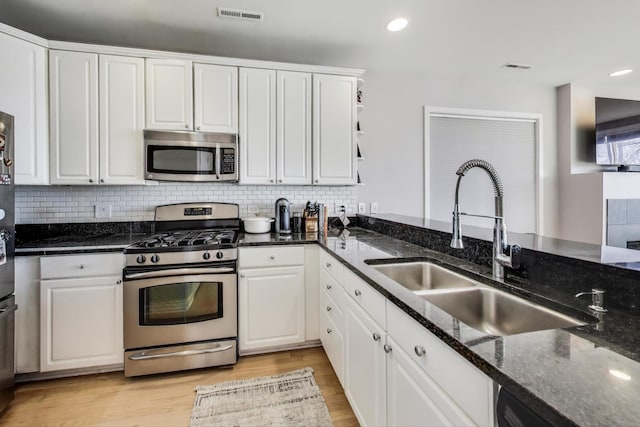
[500, 246]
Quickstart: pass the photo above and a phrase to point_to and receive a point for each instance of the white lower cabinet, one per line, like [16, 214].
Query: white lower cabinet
[271, 298]
[365, 373]
[80, 312]
[413, 398]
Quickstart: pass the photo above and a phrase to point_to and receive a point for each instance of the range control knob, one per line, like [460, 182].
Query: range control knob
[155, 258]
[141, 259]
[206, 256]
[219, 255]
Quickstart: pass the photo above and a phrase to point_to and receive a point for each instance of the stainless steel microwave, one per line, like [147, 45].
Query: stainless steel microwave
[190, 156]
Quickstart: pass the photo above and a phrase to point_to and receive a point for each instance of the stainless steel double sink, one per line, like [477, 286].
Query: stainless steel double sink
[479, 306]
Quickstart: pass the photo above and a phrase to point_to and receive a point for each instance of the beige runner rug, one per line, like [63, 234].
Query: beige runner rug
[291, 399]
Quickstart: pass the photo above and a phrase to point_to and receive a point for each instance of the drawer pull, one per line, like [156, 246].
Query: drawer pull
[387, 348]
[376, 336]
[328, 287]
[328, 265]
[357, 292]
[328, 308]
[420, 351]
[118, 282]
[328, 330]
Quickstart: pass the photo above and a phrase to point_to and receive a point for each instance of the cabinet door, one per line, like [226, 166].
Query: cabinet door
[169, 94]
[334, 130]
[81, 323]
[271, 306]
[365, 366]
[28, 316]
[121, 120]
[413, 398]
[257, 126]
[293, 150]
[23, 85]
[216, 98]
[73, 96]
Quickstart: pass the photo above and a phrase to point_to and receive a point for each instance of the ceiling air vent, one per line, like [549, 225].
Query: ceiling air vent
[517, 66]
[247, 15]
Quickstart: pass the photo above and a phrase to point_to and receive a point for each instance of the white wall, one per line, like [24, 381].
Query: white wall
[393, 169]
[51, 204]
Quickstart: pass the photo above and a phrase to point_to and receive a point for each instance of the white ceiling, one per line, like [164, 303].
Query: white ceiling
[565, 40]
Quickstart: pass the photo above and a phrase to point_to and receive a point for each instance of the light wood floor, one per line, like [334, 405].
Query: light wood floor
[158, 400]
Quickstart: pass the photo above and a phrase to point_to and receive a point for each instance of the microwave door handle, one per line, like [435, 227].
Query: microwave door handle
[218, 152]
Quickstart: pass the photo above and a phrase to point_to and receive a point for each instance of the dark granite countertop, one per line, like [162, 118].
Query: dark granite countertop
[563, 374]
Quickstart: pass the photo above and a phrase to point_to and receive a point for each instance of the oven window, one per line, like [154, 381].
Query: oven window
[182, 160]
[180, 303]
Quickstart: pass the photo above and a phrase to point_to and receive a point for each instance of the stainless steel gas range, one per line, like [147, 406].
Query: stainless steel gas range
[180, 291]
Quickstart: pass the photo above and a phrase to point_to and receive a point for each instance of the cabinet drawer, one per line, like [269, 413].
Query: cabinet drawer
[368, 298]
[329, 285]
[271, 256]
[463, 382]
[57, 267]
[333, 344]
[331, 265]
[329, 307]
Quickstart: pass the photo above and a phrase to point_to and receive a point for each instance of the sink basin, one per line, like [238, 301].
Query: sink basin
[423, 276]
[498, 313]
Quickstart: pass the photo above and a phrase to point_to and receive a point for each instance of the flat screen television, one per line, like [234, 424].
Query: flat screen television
[618, 133]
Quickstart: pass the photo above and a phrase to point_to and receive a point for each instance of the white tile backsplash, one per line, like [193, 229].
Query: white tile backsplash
[54, 204]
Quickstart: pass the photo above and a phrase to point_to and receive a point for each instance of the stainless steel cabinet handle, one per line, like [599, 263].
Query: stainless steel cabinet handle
[328, 308]
[329, 287]
[357, 292]
[329, 331]
[328, 265]
[376, 336]
[150, 355]
[420, 351]
[387, 348]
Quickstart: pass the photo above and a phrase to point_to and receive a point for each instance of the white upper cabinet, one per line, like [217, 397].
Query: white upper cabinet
[23, 89]
[275, 127]
[169, 94]
[96, 124]
[216, 98]
[73, 96]
[121, 120]
[293, 141]
[334, 130]
[257, 126]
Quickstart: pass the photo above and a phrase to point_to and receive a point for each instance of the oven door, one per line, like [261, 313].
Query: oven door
[178, 309]
[191, 161]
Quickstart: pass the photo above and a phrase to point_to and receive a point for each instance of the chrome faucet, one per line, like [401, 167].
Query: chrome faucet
[500, 257]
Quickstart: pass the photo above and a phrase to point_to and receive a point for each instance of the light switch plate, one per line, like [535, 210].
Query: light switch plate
[361, 208]
[374, 207]
[103, 210]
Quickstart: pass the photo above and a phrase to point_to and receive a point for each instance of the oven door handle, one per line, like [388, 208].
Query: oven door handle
[179, 272]
[157, 355]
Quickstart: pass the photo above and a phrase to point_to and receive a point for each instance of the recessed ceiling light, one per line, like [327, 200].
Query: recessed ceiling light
[397, 24]
[620, 73]
[620, 374]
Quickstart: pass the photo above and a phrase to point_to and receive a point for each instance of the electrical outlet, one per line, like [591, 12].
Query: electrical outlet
[361, 208]
[374, 207]
[338, 208]
[103, 210]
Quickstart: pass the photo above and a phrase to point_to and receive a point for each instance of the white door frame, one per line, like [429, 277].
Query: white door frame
[431, 111]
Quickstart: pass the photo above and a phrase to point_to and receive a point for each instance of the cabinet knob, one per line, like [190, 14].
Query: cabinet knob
[317, 181]
[272, 257]
[387, 348]
[198, 128]
[376, 336]
[357, 292]
[81, 266]
[328, 265]
[118, 282]
[420, 351]
[102, 180]
[270, 180]
[329, 331]
[242, 276]
[186, 126]
[328, 308]
[279, 180]
[90, 180]
[328, 287]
